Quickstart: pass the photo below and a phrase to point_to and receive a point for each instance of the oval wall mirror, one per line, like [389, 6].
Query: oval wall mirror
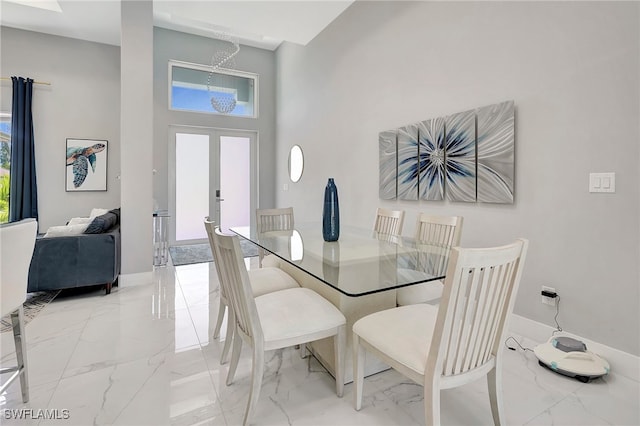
[296, 163]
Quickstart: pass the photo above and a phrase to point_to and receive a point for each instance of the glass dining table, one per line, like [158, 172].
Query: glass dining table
[359, 273]
[360, 263]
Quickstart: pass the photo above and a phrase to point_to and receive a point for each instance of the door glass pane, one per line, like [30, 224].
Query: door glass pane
[192, 185]
[235, 187]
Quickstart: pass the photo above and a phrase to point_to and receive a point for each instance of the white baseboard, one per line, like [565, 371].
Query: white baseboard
[131, 280]
[622, 363]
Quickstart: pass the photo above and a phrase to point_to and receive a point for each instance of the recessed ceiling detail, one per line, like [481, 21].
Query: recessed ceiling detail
[51, 5]
[263, 24]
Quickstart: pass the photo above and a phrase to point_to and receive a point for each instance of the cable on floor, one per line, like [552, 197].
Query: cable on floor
[557, 330]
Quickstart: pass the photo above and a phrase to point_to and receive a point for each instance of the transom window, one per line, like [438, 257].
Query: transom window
[195, 88]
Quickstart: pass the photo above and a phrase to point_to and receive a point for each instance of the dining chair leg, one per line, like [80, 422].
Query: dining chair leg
[221, 309]
[231, 325]
[431, 402]
[260, 257]
[303, 350]
[339, 344]
[235, 357]
[494, 380]
[257, 370]
[358, 371]
[17, 322]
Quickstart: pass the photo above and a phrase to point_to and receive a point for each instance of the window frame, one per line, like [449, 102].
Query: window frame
[206, 68]
[6, 117]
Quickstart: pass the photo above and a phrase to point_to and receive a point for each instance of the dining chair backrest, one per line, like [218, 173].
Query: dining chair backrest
[434, 238]
[432, 258]
[442, 231]
[274, 219]
[238, 287]
[389, 221]
[17, 240]
[223, 305]
[478, 298]
[209, 225]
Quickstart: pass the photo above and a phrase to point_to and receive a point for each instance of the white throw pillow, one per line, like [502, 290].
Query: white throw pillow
[98, 212]
[80, 221]
[64, 231]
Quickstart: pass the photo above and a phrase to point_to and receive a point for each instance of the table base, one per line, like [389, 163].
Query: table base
[353, 308]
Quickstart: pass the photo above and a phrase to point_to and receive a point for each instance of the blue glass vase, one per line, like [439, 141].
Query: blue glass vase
[331, 213]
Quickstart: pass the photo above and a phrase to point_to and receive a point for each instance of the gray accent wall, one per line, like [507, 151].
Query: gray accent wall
[572, 69]
[83, 101]
[173, 45]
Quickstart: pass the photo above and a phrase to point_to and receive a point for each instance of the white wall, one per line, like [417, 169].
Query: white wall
[82, 102]
[572, 70]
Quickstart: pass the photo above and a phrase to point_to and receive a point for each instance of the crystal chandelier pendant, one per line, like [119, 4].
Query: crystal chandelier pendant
[223, 104]
[227, 50]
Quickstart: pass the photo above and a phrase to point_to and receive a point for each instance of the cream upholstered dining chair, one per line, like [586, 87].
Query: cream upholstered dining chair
[389, 221]
[17, 241]
[440, 233]
[263, 281]
[268, 220]
[275, 320]
[456, 343]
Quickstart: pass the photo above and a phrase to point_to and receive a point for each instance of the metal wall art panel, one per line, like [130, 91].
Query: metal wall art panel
[460, 156]
[388, 165]
[468, 156]
[431, 154]
[408, 162]
[496, 152]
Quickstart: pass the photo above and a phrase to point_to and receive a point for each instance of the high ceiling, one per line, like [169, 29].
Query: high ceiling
[262, 24]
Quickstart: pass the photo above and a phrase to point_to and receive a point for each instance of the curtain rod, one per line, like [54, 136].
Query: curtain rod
[35, 82]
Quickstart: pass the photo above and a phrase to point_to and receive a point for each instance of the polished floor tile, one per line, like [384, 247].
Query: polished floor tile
[145, 355]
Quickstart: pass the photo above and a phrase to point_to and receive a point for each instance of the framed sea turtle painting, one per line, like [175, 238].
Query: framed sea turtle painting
[86, 165]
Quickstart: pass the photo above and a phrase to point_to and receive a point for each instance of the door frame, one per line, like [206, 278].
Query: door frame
[214, 134]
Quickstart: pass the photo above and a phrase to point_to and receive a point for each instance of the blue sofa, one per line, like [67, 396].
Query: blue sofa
[79, 260]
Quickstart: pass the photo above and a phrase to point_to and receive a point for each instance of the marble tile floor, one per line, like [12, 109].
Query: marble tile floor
[144, 355]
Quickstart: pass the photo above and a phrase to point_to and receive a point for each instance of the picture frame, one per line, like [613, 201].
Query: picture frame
[86, 165]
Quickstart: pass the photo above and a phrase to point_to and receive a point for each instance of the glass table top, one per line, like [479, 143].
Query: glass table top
[361, 262]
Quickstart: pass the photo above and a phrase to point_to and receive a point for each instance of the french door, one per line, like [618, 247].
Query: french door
[213, 172]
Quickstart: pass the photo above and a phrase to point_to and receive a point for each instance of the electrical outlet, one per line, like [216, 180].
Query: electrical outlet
[549, 300]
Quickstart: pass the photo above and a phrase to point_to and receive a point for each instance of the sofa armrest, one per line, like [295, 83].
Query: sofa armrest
[75, 261]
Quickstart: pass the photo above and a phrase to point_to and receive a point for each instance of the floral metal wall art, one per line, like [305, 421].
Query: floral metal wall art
[467, 156]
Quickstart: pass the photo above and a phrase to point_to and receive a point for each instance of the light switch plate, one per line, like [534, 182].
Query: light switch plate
[602, 182]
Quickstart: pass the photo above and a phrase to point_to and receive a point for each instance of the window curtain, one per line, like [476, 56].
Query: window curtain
[23, 197]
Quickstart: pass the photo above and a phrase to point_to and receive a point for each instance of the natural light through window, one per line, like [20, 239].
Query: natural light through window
[192, 185]
[5, 164]
[195, 88]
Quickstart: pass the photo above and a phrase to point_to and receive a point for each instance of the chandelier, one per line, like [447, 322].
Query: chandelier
[223, 101]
